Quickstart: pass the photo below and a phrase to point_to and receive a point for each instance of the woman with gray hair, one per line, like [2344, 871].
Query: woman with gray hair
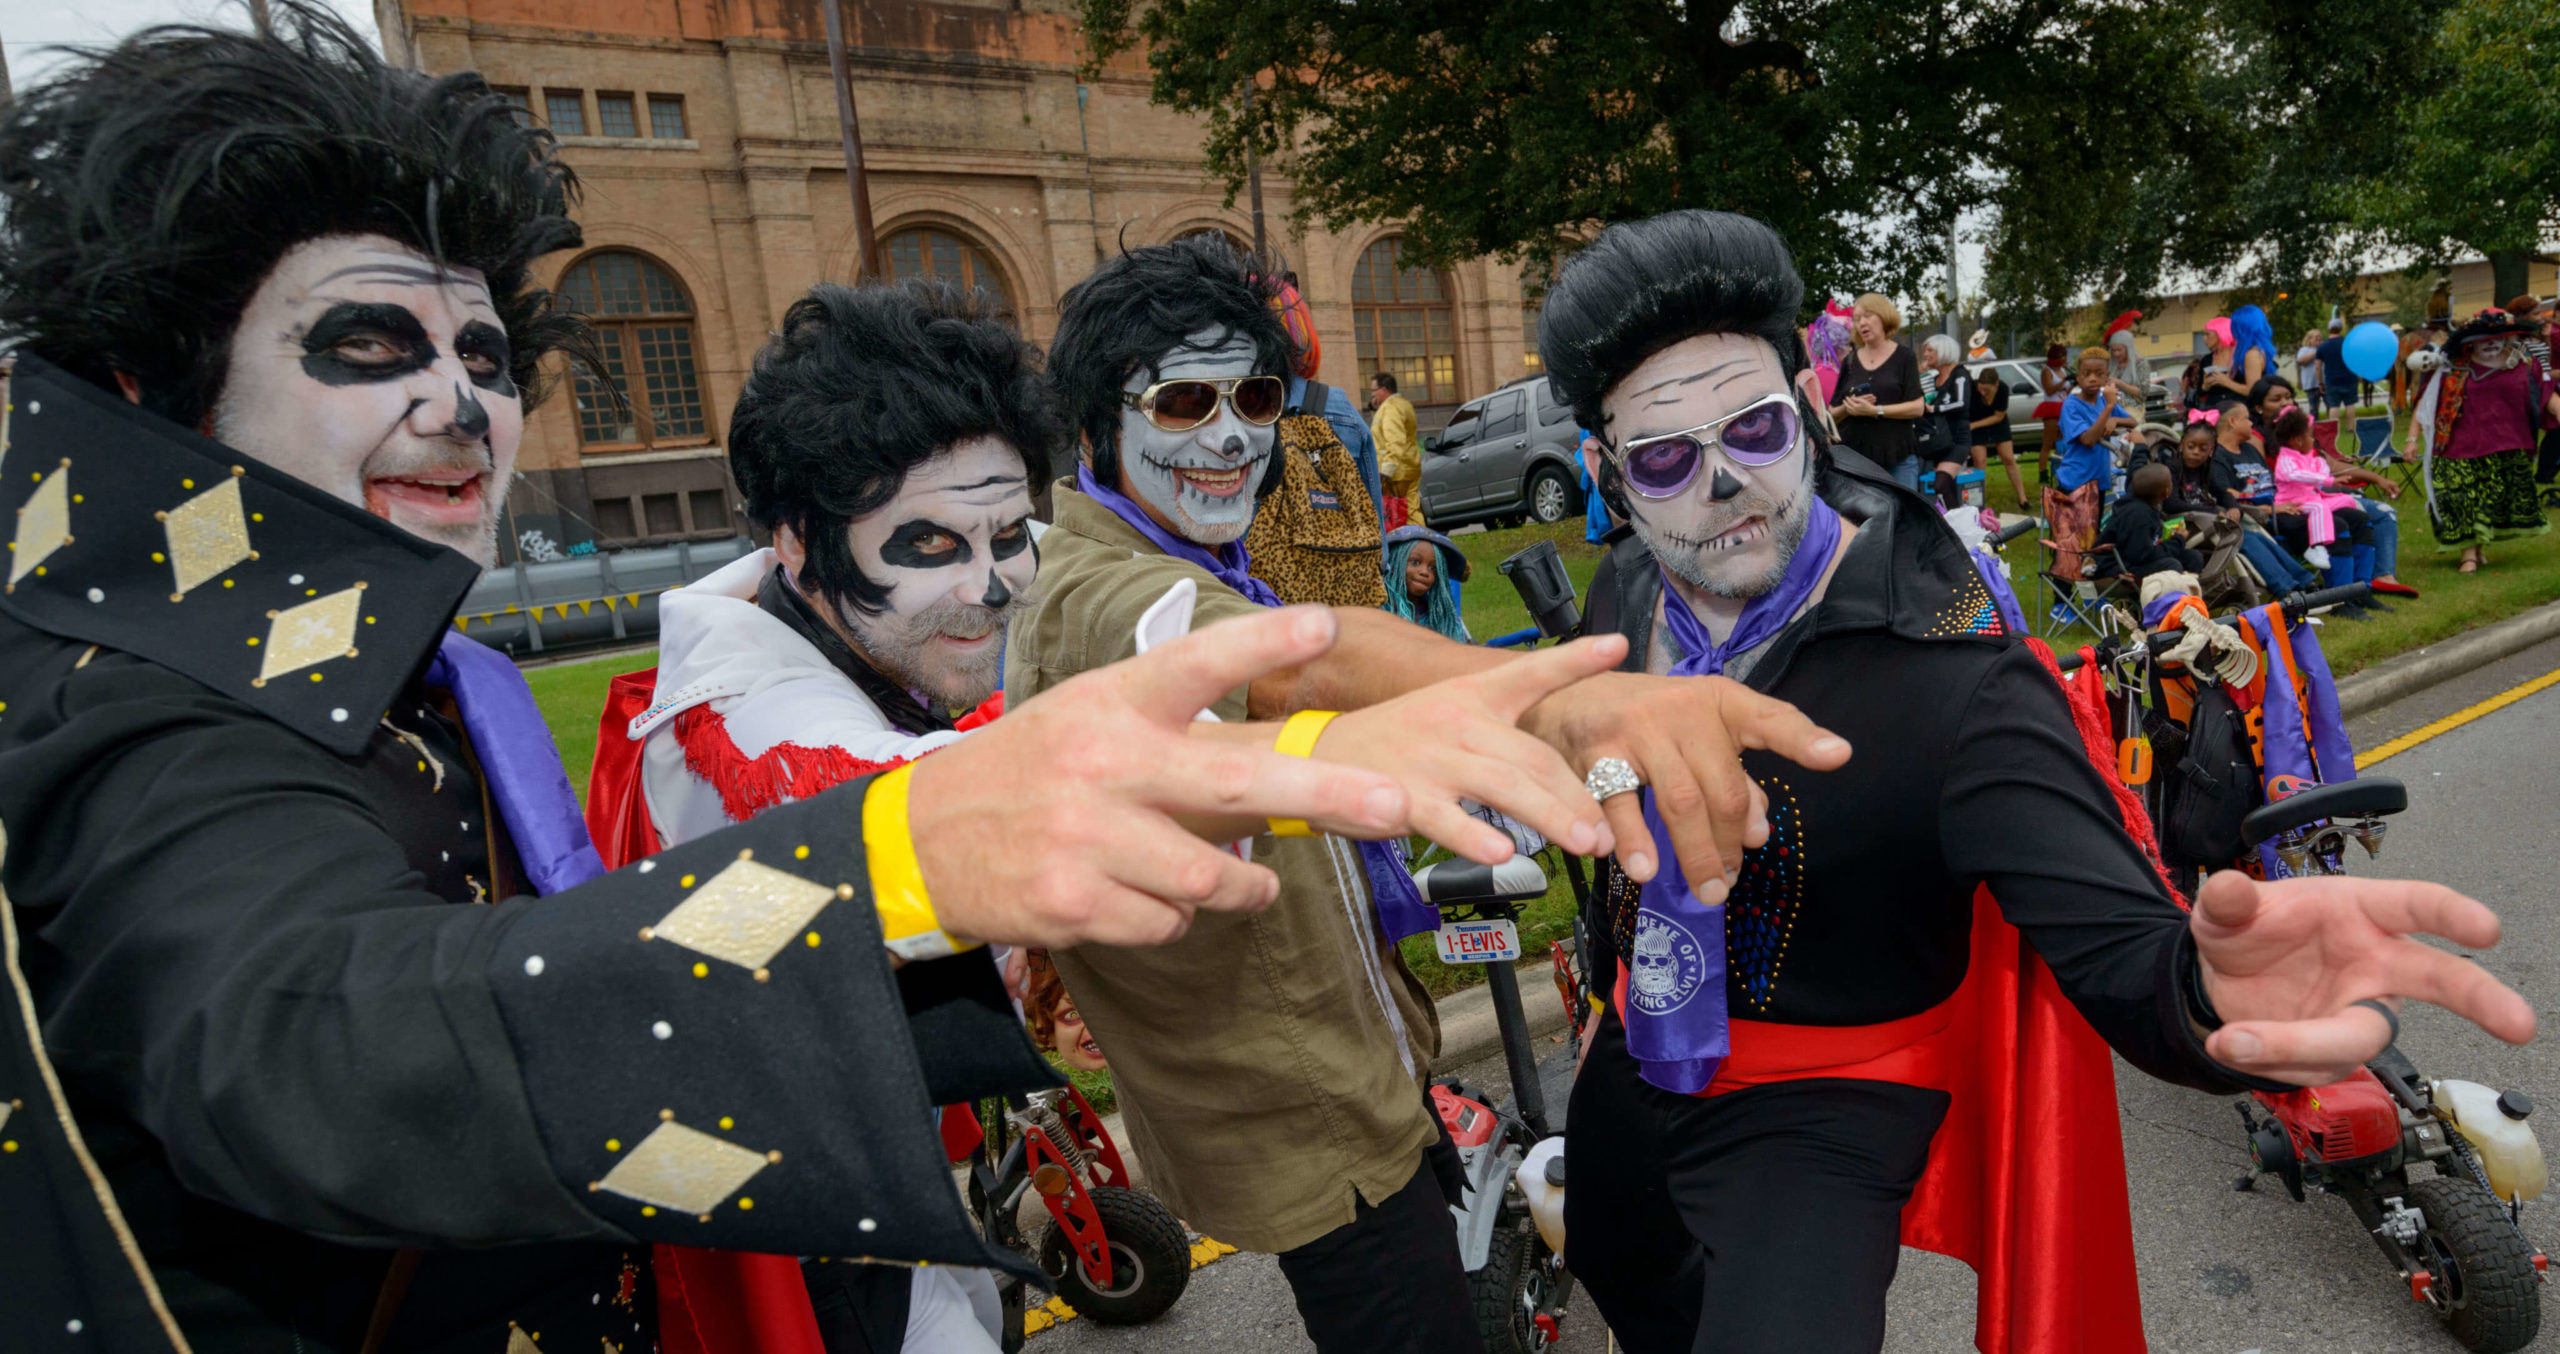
[1946, 435]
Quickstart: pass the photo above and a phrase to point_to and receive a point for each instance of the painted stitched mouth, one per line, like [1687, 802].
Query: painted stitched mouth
[1745, 532]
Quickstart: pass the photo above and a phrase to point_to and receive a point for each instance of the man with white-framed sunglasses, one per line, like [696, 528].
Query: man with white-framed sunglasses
[1887, 1028]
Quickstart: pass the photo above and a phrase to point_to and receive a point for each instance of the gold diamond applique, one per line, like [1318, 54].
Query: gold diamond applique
[682, 1168]
[207, 534]
[44, 525]
[320, 629]
[745, 914]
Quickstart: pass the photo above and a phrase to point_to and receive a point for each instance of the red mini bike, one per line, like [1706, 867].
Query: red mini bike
[2448, 1234]
[1113, 1251]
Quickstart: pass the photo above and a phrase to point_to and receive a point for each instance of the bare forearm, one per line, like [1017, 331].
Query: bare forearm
[1376, 657]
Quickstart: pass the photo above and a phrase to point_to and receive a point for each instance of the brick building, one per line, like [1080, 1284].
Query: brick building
[705, 133]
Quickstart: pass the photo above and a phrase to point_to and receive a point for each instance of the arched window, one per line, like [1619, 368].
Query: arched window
[644, 325]
[928, 251]
[1401, 316]
[1234, 241]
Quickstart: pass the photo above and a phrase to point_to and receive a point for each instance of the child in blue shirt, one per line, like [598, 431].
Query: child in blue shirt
[2089, 418]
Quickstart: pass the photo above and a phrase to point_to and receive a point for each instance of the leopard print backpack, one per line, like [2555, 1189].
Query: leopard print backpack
[1315, 539]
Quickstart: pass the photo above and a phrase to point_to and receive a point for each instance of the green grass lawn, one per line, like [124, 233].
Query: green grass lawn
[571, 696]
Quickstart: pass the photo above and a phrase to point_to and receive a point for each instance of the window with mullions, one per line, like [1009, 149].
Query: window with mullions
[932, 252]
[1404, 324]
[616, 115]
[643, 325]
[567, 110]
[666, 117]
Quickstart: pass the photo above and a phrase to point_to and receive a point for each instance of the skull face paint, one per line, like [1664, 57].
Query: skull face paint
[1733, 529]
[1199, 484]
[954, 550]
[367, 369]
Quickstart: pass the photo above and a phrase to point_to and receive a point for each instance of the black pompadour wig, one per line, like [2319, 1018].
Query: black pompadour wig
[148, 190]
[1138, 309]
[1642, 286]
[862, 385]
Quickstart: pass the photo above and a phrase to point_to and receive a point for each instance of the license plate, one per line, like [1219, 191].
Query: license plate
[1478, 942]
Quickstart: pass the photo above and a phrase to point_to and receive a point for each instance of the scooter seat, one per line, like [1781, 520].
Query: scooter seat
[1449, 883]
[2369, 797]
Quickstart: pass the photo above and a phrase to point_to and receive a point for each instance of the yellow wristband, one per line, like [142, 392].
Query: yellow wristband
[1298, 739]
[908, 925]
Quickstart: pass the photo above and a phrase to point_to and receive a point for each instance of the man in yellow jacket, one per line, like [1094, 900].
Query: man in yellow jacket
[1399, 448]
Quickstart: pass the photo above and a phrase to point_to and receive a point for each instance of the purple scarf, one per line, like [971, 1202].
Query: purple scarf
[1401, 911]
[520, 762]
[2296, 760]
[1676, 1015]
[1229, 563]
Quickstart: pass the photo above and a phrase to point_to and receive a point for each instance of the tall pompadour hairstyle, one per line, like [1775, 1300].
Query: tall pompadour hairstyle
[147, 191]
[861, 386]
[1137, 309]
[1645, 285]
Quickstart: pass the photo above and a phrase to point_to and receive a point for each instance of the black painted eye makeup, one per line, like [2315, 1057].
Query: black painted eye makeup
[925, 545]
[353, 343]
[1009, 542]
[487, 355]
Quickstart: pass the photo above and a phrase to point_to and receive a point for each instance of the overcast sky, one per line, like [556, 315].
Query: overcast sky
[27, 27]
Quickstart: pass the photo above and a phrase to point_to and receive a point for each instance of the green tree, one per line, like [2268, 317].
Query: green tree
[2478, 157]
[1857, 128]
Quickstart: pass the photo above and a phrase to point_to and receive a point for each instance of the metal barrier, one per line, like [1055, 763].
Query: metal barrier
[587, 601]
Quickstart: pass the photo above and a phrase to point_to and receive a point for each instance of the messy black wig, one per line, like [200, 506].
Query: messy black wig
[1139, 308]
[148, 190]
[861, 386]
[1645, 285]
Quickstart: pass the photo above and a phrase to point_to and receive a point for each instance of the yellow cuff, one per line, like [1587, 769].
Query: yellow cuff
[1298, 739]
[908, 925]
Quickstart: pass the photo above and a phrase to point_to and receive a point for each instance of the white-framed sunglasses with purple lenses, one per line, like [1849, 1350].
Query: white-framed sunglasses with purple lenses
[1757, 434]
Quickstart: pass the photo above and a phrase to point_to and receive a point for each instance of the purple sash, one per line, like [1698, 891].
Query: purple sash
[1401, 911]
[2293, 761]
[519, 761]
[1676, 1015]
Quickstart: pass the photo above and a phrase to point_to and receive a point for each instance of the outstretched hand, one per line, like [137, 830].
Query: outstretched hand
[1057, 825]
[1460, 739]
[2284, 963]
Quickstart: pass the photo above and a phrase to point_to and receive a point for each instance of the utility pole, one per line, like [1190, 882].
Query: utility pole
[259, 20]
[1253, 169]
[1955, 287]
[1092, 212]
[866, 245]
[7, 95]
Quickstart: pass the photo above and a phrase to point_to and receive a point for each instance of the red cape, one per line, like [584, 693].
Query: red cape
[2025, 1181]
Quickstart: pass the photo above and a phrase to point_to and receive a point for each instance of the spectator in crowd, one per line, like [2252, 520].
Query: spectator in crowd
[1977, 347]
[2084, 463]
[2055, 378]
[2306, 364]
[2338, 385]
[1943, 388]
[2547, 465]
[2337, 536]
[2127, 370]
[2404, 383]
[2253, 342]
[1399, 445]
[2137, 530]
[1424, 569]
[2272, 395]
[2206, 478]
[1987, 414]
[1054, 1021]
[1878, 401]
[2219, 384]
[2489, 408]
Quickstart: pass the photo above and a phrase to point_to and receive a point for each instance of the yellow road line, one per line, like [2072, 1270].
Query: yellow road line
[2457, 719]
[1204, 1251]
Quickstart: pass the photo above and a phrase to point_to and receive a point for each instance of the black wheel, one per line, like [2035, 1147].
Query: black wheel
[1150, 1260]
[1511, 1290]
[1552, 497]
[2485, 1290]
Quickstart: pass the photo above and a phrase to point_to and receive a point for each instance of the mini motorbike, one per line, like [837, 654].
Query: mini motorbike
[2454, 1236]
[1114, 1252]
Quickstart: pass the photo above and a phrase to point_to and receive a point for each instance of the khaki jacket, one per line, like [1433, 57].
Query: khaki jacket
[1270, 1067]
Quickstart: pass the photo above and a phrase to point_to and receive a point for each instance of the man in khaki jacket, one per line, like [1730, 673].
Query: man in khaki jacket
[1399, 444]
[1273, 1068]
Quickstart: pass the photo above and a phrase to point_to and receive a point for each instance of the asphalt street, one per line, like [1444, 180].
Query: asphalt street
[2222, 1272]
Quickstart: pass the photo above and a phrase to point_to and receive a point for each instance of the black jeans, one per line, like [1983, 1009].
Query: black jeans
[1766, 1221]
[1388, 1281]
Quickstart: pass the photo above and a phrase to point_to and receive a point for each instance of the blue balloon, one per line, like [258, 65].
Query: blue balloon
[2371, 349]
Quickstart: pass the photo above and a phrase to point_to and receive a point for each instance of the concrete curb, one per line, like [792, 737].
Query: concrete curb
[1467, 1030]
[2419, 669]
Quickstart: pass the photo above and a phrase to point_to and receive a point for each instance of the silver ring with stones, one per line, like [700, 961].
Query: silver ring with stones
[1610, 777]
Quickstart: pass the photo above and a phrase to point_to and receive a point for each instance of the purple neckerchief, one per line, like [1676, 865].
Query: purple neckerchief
[1229, 564]
[1676, 1014]
[1401, 911]
[519, 761]
[2005, 600]
[2302, 747]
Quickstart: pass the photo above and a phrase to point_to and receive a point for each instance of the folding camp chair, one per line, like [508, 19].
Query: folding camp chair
[2324, 435]
[2066, 603]
[2373, 441]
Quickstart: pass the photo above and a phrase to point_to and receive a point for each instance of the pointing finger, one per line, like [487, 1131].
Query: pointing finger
[1172, 683]
[1772, 725]
[1515, 686]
